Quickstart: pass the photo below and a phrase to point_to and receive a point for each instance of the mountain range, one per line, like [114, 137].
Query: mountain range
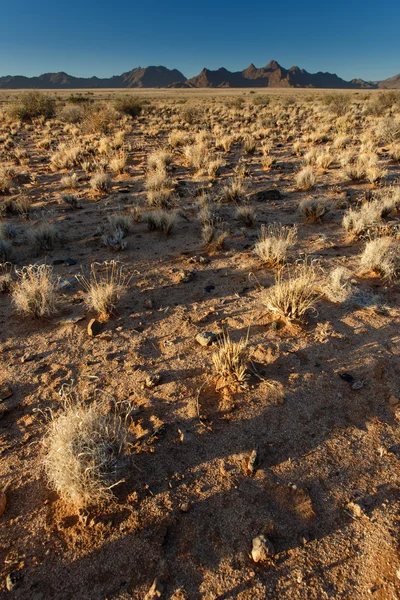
[272, 75]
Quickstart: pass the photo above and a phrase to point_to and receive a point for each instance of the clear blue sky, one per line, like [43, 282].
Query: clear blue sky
[353, 38]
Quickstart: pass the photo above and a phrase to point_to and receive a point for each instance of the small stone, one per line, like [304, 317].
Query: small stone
[185, 507]
[206, 338]
[393, 400]
[357, 385]
[5, 392]
[156, 590]
[262, 548]
[94, 327]
[252, 462]
[71, 262]
[209, 288]
[339, 395]
[152, 381]
[13, 580]
[66, 284]
[355, 510]
[29, 357]
[347, 377]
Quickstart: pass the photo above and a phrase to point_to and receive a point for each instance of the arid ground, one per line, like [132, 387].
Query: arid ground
[303, 445]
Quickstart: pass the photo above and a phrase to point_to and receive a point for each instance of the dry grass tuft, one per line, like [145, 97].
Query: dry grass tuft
[101, 182]
[313, 209]
[337, 287]
[292, 296]
[230, 360]
[34, 293]
[84, 450]
[44, 236]
[382, 256]
[306, 179]
[160, 220]
[275, 243]
[105, 284]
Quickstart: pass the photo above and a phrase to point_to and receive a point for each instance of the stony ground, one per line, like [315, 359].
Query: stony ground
[300, 455]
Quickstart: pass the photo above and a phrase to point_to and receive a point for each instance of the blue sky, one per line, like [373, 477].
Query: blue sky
[93, 37]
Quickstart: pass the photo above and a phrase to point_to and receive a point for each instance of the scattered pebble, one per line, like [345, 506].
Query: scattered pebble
[357, 385]
[206, 338]
[152, 381]
[262, 548]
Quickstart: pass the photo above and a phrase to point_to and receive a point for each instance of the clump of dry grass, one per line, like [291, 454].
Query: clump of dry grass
[71, 200]
[274, 244]
[159, 160]
[306, 179]
[246, 215]
[70, 181]
[118, 162]
[44, 235]
[294, 292]
[6, 281]
[214, 233]
[34, 293]
[84, 450]
[230, 360]
[233, 191]
[382, 256]
[357, 221]
[104, 285]
[101, 182]
[120, 222]
[313, 209]
[337, 287]
[160, 220]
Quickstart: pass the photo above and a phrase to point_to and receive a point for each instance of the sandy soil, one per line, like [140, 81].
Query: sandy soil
[325, 487]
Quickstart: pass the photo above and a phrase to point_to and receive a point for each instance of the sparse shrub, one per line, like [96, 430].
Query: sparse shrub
[158, 180]
[337, 103]
[115, 240]
[8, 231]
[129, 105]
[246, 215]
[160, 198]
[44, 235]
[34, 293]
[382, 256]
[32, 104]
[249, 144]
[358, 221]
[306, 179]
[67, 156]
[313, 209]
[84, 449]
[294, 292]
[104, 285]
[275, 243]
[6, 281]
[101, 182]
[230, 360]
[70, 181]
[71, 200]
[98, 119]
[160, 220]
[214, 233]
[121, 222]
[233, 191]
[23, 206]
[159, 160]
[118, 163]
[268, 161]
[337, 287]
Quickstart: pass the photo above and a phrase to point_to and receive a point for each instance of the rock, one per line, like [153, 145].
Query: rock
[206, 338]
[71, 262]
[252, 462]
[94, 327]
[185, 276]
[209, 288]
[185, 507]
[5, 392]
[357, 385]
[355, 510]
[152, 381]
[13, 580]
[265, 195]
[66, 284]
[262, 548]
[156, 590]
[29, 357]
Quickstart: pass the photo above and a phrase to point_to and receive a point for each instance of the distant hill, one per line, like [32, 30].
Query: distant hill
[149, 77]
[393, 83]
[272, 75]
